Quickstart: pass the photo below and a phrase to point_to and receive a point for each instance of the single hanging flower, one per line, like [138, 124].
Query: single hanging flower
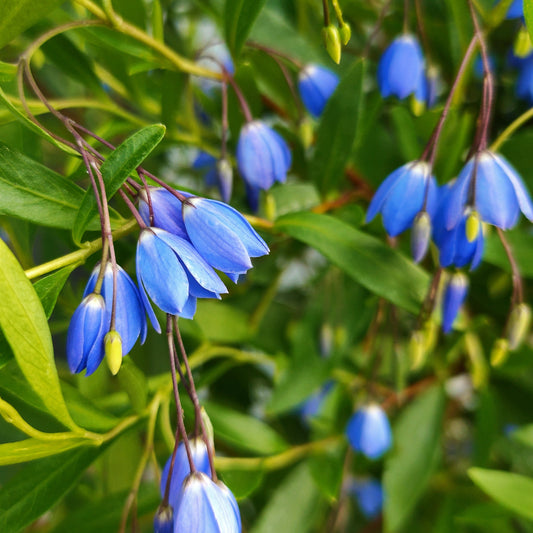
[454, 296]
[316, 84]
[369, 495]
[217, 172]
[263, 156]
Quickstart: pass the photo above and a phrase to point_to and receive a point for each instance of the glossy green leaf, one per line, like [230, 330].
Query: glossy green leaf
[239, 17]
[513, 491]
[415, 455]
[17, 15]
[23, 322]
[38, 486]
[49, 287]
[30, 449]
[293, 506]
[367, 260]
[338, 129]
[242, 482]
[115, 169]
[528, 16]
[244, 432]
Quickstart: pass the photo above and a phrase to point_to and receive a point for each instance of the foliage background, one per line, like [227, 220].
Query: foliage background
[333, 301]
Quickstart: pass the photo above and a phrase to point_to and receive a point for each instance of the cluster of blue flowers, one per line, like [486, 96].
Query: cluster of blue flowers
[177, 254]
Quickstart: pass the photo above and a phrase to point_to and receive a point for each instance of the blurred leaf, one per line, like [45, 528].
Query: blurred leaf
[293, 505]
[8, 71]
[327, 470]
[522, 246]
[239, 17]
[49, 287]
[406, 133]
[513, 491]
[221, 322]
[337, 130]
[133, 381]
[244, 432]
[115, 170]
[17, 15]
[524, 435]
[294, 197]
[242, 482]
[38, 486]
[23, 322]
[528, 16]
[367, 260]
[416, 453]
[31, 191]
[31, 449]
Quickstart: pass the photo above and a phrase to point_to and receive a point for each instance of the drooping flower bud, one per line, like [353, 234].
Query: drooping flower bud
[454, 296]
[113, 351]
[346, 33]
[420, 236]
[332, 41]
[225, 179]
[417, 349]
[473, 226]
[369, 495]
[499, 352]
[518, 325]
[316, 84]
[164, 519]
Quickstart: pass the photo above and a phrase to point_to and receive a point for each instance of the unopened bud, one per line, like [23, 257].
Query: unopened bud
[499, 352]
[417, 106]
[306, 133]
[332, 40]
[346, 33]
[518, 325]
[473, 226]
[164, 519]
[270, 207]
[210, 434]
[417, 349]
[113, 351]
[420, 236]
[522, 46]
[225, 179]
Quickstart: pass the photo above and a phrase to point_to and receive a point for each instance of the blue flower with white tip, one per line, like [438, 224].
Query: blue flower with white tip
[369, 495]
[454, 296]
[401, 67]
[409, 190]
[369, 431]
[490, 187]
[263, 156]
[316, 84]
[204, 507]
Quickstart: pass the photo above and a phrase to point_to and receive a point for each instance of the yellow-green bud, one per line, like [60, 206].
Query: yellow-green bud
[306, 132]
[417, 349]
[113, 351]
[472, 226]
[420, 235]
[522, 46]
[518, 325]
[346, 33]
[332, 40]
[208, 427]
[270, 207]
[499, 352]
[417, 106]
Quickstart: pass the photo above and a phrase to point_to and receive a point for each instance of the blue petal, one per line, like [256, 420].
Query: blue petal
[161, 273]
[369, 431]
[279, 152]
[144, 298]
[369, 494]
[167, 211]
[384, 190]
[316, 85]
[458, 196]
[454, 297]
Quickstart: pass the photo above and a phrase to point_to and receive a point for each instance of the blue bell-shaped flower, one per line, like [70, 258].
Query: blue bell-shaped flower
[369, 431]
[164, 520]
[263, 156]
[203, 507]
[369, 495]
[86, 331]
[516, 10]
[491, 187]
[228, 495]
[454, 296]
[170, 271]
[406, 192]
[182, 468]
[217, 172]
[401, 67]
[316, 84]
[222, 236]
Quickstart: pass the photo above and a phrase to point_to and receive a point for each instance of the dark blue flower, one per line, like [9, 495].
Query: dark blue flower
[86, 331]
[369, 495]
[222, 236]
[524, 83]
[173, 274]
[369, 431]
[182, 468]
[203, 507]
[491, 187]
[217, 172]
[454, 296]
[316, 84]
[263, 156]
[426, 92]
[516, 10]
[406, 192]
[401, 67]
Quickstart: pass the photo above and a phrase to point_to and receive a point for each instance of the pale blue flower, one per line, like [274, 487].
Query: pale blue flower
[316, 84]
[369, 431]
[454, 296]
[369, 495]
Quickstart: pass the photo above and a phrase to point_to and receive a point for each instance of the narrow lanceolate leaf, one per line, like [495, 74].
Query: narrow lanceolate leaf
[23, 321]
[513, 491]
[528, 16]
[33, 192]
[239, 17]
[30, 449]
[367, 260]
[338, 129]
[415, 455]
[36, 488]
[49, 287]
[115, 169]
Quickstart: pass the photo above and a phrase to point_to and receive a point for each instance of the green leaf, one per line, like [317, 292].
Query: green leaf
[30, 449]
[239, 17]
[338, 129]
[133, 381]
[327, 470]
[528, 16]
[513, 491]
[242, 482]
[37, 487]
[17, 15]
[8, 71]
[49, 287]
[220, 322]
[522, 246]
[294, 197]
[293, 506]
[415, 456]
[24, 324]
[33, 192]
[244, 432]
[115, 169]
[367, 260]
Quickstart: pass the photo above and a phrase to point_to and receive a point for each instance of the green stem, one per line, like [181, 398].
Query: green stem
[509, 130]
